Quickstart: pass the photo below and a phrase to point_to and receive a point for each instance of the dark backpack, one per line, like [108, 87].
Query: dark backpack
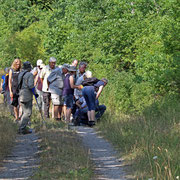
[90, 81]
[20, 84]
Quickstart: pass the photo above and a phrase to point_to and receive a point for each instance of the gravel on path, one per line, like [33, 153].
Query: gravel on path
[107, 165]
[23, 160]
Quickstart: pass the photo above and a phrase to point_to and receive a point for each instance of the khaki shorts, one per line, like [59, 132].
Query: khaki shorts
[56, 99]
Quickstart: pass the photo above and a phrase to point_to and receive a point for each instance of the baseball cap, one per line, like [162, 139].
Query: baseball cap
[39, 62]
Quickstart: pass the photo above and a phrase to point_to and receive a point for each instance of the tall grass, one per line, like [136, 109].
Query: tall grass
[150, 141]
[62, 154]
[8, 130]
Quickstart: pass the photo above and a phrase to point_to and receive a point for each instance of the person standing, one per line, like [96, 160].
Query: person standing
[26, 91]
[56, 84]
[3, 85]
[68, 90]
[13, 85]
[43, 76]
[36, 69]
[38, 85]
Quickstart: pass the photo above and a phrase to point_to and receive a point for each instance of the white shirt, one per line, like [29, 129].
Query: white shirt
[44, 75]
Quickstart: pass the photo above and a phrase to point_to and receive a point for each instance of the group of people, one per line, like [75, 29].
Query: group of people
[70, 91]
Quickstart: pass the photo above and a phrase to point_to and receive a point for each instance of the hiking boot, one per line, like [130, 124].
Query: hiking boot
[25, 131]
[58, 119]
[91, 123]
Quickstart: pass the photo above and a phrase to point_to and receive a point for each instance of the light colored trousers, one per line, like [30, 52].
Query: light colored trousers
[40, 99]
[26, 113]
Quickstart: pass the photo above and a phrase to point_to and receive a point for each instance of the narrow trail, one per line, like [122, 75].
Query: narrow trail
[23, 160]
[107, 165]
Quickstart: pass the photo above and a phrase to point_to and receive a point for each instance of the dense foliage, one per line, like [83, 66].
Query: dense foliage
[136, 42]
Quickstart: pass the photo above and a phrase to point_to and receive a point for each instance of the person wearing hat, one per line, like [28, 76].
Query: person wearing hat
[36, 70]
[26, 91]
[38, 84]
[46, 93]
[68, 91]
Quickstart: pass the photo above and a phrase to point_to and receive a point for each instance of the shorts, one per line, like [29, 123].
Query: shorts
[68, 101]
[57, 100]
[90, 97]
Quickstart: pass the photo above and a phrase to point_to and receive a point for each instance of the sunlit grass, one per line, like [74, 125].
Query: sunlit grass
[8, 130]
[62, 154]
[150, 142]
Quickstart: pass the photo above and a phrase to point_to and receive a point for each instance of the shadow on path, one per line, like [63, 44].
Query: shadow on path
[23, 160]
[107, 165]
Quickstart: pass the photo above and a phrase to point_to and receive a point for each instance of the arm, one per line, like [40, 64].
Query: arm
[78, 104]
[99, 92]
[35, 80]
[71, 79]
[42, 75]
[10, 83]
[35, 73]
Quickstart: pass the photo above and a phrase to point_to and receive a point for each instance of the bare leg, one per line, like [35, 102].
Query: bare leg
[68, 114]
[64, 111]
[89, 115]
[92, 114]
[59, 112]
[16, 113]
[20, 111]
[56, 109]
[53, 111]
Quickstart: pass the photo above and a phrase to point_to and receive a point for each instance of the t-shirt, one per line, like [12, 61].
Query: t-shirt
[56, 81]
[99, 83]
[45, 72]
[76, 91]
[83, 101]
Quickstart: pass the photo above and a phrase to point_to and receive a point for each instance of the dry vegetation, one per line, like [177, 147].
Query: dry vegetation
[62, 155]
[7, 130]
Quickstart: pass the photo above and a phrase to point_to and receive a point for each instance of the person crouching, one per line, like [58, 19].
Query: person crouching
[26, 91]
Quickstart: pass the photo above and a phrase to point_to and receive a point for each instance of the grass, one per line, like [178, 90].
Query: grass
[8, 130]
[62, 154]
[150, 142]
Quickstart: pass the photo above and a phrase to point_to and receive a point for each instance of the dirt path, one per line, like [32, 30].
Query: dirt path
[23, 160]
[107, 165]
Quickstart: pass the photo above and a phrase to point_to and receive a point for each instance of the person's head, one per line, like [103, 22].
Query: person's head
[105, 81]
[65, 68]
[16, 65]
[75, 62]
[82, 67]
[27, 66]
[39, 62]
[52, 62]
[87, 74]
[72, 70]
[42, 66]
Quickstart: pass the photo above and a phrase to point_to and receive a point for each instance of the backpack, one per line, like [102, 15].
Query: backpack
[20, 84]
[3, 83]
[90, 81]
